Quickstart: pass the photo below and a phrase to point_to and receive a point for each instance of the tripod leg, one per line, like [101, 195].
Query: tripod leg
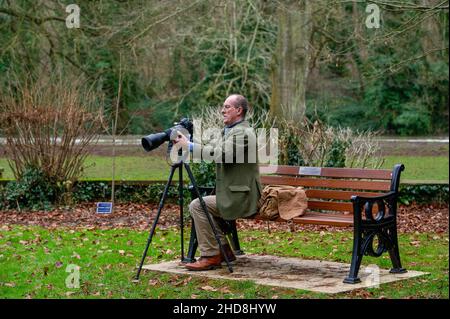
[180, 191]
[205, 210]
[192, 245]
[235, 239]
[152, 231]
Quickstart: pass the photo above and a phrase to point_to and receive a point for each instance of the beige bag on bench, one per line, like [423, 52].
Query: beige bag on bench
[284, 201]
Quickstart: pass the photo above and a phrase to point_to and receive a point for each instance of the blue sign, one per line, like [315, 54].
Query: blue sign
[104, 208]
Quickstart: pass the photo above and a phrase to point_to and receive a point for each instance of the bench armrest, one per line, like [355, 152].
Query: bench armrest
[386, 196]
[362, 204]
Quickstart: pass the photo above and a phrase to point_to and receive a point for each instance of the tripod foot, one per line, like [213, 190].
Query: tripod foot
[188, 260]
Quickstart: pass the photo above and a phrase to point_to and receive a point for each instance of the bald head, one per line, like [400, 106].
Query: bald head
[238, 100]
[234, 109]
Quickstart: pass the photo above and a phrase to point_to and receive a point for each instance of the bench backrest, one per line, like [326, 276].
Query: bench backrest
[330, 189]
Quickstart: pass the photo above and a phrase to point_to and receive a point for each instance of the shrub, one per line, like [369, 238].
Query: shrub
[316, 144]
[89, 191]
[204, 173]
[413, 120]
[48, 125]
[34, 190]
[424, 193]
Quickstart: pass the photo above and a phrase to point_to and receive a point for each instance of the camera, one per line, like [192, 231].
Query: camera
[152, 141]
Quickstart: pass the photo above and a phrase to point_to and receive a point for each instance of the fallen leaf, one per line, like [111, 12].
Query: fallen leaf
[415, 243]
[75, 255]
[225, 290]
[153, 282]
[122, 252]
[208, 288]
[58, 264]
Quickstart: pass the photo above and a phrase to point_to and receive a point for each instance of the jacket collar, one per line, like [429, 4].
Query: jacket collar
[229, 128]
[234, 124]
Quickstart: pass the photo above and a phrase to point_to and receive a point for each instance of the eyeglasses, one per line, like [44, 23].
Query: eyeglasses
[227, 106]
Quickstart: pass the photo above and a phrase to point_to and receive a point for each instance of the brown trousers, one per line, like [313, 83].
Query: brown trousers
[207, 243]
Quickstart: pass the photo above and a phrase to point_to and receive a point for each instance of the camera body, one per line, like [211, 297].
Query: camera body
[152, 141]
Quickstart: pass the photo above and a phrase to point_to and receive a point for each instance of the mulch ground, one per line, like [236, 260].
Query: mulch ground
[411, 219]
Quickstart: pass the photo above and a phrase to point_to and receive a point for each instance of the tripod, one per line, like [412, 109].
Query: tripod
[180, 165]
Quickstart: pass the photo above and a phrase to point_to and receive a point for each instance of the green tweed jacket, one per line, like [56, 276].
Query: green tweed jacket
[238, 187]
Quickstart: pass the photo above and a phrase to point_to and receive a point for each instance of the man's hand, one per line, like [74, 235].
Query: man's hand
[181, 140]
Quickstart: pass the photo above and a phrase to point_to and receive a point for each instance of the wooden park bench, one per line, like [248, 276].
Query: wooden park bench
[363, 198]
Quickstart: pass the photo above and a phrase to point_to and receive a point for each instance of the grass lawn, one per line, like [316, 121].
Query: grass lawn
[421, 167]
[127, 167]
[34, 260]
[156, 168]
[142, 168]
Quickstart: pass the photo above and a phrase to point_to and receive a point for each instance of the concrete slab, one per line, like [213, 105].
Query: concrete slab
[312, 275]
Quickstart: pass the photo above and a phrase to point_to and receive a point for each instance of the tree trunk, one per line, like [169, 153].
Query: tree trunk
[432, 37]
[291, 61]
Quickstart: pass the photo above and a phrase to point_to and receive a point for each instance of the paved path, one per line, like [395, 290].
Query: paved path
[136, 140]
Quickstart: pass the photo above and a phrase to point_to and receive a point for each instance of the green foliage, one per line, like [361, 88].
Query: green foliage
[34, 190]
[336, 157]
[425, 193]
[204, 173]
[193, 55]
[89, 191]
[413, 120]
[408, 101]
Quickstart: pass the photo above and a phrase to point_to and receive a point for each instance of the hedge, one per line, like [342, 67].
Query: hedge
[150, 192]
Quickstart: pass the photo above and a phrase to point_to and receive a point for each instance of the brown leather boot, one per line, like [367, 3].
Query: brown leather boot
[228, 252]
[205, 263]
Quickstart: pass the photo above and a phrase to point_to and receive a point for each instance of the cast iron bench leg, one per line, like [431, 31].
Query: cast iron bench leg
[357, 256]
[394, 253]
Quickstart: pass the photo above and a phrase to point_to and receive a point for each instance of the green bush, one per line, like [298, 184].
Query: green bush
[89, 191]
[422, 194]
[413, 120]
[34, 190]
[204, 173]
[337, 154]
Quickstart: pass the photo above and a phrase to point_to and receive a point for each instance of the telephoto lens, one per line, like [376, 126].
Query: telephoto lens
[152, 141]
